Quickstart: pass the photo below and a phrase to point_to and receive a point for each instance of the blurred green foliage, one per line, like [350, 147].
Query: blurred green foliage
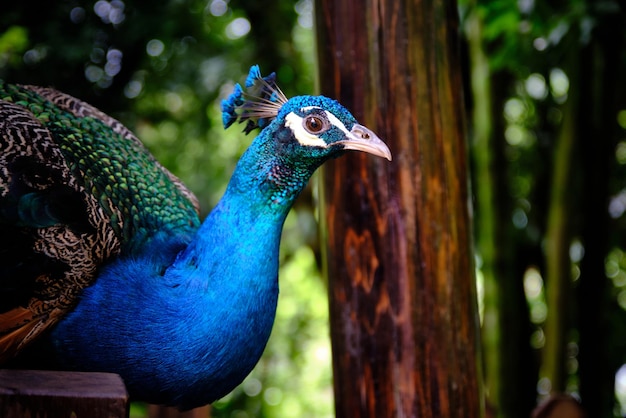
[555, 70]
[162, 67]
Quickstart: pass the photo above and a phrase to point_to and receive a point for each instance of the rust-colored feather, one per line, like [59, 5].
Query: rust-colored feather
[17, 324]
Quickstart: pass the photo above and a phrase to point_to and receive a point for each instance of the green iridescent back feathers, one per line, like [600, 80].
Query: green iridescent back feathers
[116, 167]
[82, 159]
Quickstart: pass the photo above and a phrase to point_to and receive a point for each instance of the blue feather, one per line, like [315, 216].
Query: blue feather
[257, 105]
[253, 75]
[229, 116]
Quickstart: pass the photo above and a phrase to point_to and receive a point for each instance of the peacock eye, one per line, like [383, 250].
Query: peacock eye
[314, 124]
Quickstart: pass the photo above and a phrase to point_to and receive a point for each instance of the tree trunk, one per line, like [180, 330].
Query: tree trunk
[559, 235]
[602, 68]
[489, 232]
[398, 254]
[506, 348]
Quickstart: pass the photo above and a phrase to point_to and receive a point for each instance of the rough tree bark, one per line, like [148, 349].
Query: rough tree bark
[398, 254]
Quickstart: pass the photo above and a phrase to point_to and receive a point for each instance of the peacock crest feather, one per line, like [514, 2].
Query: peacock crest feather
[257, 105]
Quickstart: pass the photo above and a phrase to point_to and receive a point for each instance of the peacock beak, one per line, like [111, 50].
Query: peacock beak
[362, 139]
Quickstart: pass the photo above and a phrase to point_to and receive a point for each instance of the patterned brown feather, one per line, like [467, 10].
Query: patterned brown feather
[69, 203]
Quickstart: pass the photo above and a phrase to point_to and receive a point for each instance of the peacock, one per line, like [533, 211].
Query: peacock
[104, 262]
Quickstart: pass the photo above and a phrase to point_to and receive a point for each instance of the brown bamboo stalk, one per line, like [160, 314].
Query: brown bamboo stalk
[398, 250]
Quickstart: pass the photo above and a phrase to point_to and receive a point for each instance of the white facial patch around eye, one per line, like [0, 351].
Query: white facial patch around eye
[305, 138]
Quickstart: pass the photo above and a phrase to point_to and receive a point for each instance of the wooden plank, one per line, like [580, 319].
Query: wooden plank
[36, 393]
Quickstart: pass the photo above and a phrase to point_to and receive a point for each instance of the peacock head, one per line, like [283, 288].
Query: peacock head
[314, 127]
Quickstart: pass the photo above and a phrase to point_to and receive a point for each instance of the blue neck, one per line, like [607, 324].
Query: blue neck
[206, 318]
[246, 224]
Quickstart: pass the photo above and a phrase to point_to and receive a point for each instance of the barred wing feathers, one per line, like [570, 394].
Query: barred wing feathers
[77, 188]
